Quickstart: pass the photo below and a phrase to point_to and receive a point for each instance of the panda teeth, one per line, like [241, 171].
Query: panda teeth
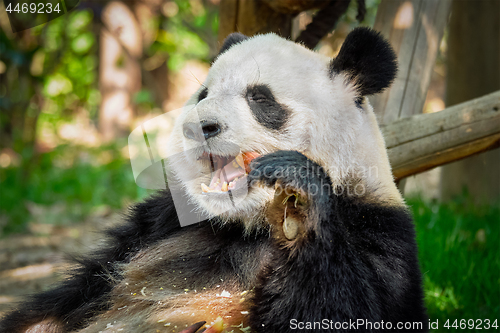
[224, 188]
[205, 188]
[232, 183]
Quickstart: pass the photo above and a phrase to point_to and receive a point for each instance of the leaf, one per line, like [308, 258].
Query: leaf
[57, 84]
[143, 96]
[78, 21]
[82, 43]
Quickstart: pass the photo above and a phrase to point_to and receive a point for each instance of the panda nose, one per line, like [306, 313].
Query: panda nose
[202, 130]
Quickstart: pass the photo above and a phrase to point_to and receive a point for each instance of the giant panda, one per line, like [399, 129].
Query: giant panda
[306, 231]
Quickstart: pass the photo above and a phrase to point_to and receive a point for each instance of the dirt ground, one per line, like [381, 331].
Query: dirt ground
[32, 262]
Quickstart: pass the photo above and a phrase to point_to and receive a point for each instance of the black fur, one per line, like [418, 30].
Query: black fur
[367, 60]
[323, 22]
[266, 110]
[356, 260]
[232, 39]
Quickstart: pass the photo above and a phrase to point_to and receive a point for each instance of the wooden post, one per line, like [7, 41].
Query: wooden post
[414, 28]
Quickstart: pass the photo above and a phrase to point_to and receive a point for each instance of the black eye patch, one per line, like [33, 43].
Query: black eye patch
[203, 94]
[266, 110]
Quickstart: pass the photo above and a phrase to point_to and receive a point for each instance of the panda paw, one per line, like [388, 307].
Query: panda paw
[301, 187]
[288, 167]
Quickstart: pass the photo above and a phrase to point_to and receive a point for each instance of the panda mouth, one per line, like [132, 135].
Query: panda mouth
[228, 172]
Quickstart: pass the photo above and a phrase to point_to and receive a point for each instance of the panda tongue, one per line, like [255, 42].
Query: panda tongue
[227, 174]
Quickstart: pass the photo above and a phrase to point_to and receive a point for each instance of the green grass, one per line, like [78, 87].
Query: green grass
[459, 250]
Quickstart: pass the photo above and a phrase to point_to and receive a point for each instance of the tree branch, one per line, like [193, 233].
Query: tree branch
[424, 141]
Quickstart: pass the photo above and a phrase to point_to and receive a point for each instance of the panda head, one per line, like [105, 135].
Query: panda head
[266, 93]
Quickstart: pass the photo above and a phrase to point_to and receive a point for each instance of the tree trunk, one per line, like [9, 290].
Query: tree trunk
[120, 71]
[473, 70]
[251, 17]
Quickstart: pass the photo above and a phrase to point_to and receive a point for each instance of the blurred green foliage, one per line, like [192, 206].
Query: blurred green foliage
[50, 73]
[52, 69]
[80, 178]
[67, 58]
[460, 258]
[188, 30]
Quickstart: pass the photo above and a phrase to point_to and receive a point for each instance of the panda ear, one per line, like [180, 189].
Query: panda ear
[232, 39]
[367, 60]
